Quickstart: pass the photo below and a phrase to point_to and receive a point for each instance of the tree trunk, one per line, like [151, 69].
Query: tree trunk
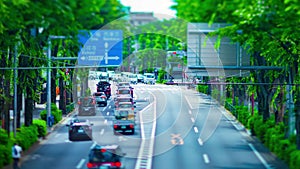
[295, 72]
[29, 104]
[281, 105]
[19, 106]
[62, 96]
[7, 105]
[262, 93]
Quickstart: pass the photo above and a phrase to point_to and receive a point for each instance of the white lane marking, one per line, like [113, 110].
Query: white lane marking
[80, 164]
[200, 141]
[107, 113]
[94, 144]
[102, 132]
[196, 130]
[262, 160]
[190, 112]
[105, 121]
[187, 100]
[193, 120]
[57, 135]
[206, 159]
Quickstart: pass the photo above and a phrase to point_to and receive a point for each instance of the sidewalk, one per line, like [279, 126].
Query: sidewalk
[36, 115]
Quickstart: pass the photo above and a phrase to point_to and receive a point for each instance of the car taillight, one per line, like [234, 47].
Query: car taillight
[131, 126]
[132, 108]
[115, 126]
[90, 165]
[103, 150]
[117, 164]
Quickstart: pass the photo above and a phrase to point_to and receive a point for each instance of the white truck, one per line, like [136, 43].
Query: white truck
[124, 120]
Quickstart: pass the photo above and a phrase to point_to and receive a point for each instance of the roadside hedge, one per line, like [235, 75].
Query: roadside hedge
[25, 137]
[41, 127]
[57, 114]
[5, 148]
[271, 135]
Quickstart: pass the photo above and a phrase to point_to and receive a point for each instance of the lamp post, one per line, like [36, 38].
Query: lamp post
[49, 78]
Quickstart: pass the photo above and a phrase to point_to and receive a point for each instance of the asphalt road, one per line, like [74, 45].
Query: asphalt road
[177, 128]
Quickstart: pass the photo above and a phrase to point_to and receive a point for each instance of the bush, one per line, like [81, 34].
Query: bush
[295, 159]
[5, 155]
[4, 139]
[5, 148]
[202, 89]
[54, 111]
[27, 136]
[70, 107]
[41, 127]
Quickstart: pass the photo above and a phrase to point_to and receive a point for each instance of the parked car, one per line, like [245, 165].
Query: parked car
[80, 131]
[87, 106]
[105, 156]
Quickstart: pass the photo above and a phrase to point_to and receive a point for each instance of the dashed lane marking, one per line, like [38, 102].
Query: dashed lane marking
[80, 164]
[206, 159]
[196, 130]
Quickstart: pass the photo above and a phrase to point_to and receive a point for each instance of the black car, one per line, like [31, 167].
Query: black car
[80, 131]
[108, 156]
[87, 106]
[104, 86]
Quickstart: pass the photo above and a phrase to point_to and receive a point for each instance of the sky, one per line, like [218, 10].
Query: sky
[160, 8]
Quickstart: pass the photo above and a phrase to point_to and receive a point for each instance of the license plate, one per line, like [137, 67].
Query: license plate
[80, 131]
[123, 127]
[86, 109]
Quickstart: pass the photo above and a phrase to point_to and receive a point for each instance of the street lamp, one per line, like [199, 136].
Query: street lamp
[49, 77]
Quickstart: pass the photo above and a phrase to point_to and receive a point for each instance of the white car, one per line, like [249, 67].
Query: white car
[149, 78]
[133, 78]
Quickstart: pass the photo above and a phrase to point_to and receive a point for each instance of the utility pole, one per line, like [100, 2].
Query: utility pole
[49, 58]
[15, 91]
[290, 104]
[49, 83]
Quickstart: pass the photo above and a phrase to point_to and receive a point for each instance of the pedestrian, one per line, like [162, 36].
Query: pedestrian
[16, 155]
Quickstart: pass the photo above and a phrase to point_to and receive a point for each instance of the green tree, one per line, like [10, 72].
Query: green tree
[269, 30]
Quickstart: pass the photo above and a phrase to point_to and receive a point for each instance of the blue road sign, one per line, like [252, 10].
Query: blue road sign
[101, 48]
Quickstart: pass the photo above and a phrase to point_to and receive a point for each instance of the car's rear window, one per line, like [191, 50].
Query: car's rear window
[98, 94]
[124, 100]
[102, 156]
[124, 91]
[123, 113]
[125, 106]
[86, 101]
